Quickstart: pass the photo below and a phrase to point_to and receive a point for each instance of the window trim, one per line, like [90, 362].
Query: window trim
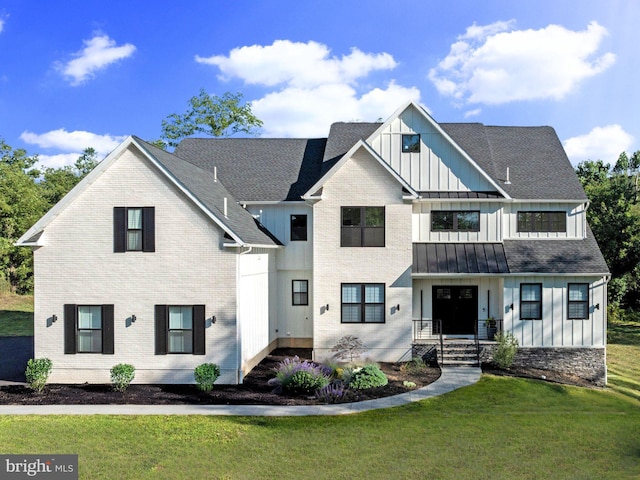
[71, 330]
[298, 229]
[455, 220]
[410, 146]
[294, 292]
[162, 330]
[522, 302]
[585, 302]
[363, 303]
[530, 225]
[121, 229]
[362, 226]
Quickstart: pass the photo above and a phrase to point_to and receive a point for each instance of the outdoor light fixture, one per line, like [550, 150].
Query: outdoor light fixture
[511, 306]
[213, 319]
[398, 307]
[54, 317]
[133, 318]
[597, 306]
[327, 307]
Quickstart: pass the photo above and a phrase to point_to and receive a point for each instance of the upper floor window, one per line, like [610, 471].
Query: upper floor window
[134, 229]
[362, 303]
[455, 221]
[542, 222]
[411, 143]
[298, 228]
[88, 328]
[578, 307]
[531, 301]
[362, 227]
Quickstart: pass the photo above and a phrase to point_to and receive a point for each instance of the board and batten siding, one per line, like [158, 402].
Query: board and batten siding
[77, 265]
[438, 166]
[555, 329]
[490, 222]
[576, 219]
[362, 181]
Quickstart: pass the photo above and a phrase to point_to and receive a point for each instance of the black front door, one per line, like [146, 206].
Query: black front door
[457, 307]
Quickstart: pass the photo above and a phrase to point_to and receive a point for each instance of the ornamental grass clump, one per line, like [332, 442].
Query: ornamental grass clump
[294, 376]
[205, 375]
[37, 373]
[335, 392]
[369, 376]
[122, 375]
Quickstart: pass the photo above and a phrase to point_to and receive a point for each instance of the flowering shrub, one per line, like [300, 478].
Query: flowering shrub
[369, 376]
[294, 376]
[335, 392]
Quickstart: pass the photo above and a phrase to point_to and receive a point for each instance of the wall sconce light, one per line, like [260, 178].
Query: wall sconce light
[213, 320]
[398, 307]
[327, 307]
[54, 318]
[133, 318]
[597, 307]
[511, 306]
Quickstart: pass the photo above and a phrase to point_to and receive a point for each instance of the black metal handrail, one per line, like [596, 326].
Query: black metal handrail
[435, 332]
[477, 340]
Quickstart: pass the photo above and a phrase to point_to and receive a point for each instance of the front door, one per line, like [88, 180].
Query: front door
[457, 307]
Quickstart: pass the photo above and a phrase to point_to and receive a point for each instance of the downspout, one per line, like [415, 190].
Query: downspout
[239, 374]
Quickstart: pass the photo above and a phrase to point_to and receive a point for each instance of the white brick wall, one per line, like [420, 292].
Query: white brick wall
[362, 181]
[77, 265]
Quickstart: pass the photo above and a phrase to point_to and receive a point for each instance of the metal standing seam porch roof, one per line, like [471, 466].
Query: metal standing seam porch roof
[439, 258]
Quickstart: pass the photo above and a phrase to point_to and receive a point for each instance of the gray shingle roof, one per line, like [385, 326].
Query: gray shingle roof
[202, 185]
[555, 256]
[259, 169]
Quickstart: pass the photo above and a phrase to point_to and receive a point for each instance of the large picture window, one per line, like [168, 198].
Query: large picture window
[362, 303]
[578, 308]
[88, 329]
[362, 227]
[180, 329]
[542, 222]
[300, 292]
[531, 301]
[455, 221]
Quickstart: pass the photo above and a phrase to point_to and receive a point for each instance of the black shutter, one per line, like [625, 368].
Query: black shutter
[162, 321]
[198, 330]
[70, 321]
[148, 229]
[119, 229]
[107, 329]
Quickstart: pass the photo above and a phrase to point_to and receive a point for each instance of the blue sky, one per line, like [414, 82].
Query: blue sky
[77, 74]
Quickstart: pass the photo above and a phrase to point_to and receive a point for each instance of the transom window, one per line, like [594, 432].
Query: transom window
[89, 329]
[578, 308]
[542, 221]
[298, 228]
[531, 301]
[362, 303]
[455, 221]
[362, 227]
[411, 143]
[300, 292]
[180, 329]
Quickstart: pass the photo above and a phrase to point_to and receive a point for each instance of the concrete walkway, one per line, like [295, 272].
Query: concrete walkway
[451, 379]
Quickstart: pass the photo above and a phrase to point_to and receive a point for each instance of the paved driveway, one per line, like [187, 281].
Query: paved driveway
[14, 354]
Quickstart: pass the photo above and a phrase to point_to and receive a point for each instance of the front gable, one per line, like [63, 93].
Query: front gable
[440, 165]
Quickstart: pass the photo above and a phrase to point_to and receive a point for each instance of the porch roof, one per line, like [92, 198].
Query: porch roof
[433, 258]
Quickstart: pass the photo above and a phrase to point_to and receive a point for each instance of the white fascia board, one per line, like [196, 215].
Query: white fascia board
[188, 193]
[271, 202]
[549, 200]
[254, 245]
[361, 144]
[435, 125]
[48, 217]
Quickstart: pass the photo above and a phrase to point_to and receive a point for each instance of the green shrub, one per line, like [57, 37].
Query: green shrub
[121, 376]
[294, 376]
[414, 367]
[37, 372]
[506, 350]
[369, 376]
[304, 381]
[206, 375]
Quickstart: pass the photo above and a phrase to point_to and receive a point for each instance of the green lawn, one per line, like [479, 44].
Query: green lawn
[623, 355]
[500, 428]
[16, 315]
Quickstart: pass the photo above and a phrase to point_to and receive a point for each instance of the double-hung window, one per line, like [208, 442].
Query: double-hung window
[531, 301]
[542, 221]
[362, 303]
[300, 292]
[578, 307]
[180, 329]
[455, 221]
[362, 227]
[133, 229]
[88, 329]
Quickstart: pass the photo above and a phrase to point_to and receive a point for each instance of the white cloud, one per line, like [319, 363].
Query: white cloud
[98, 53]
[473, 113]
[308, 88]
[1, 24]
[71, 144]
[495, 64]
[601, 143]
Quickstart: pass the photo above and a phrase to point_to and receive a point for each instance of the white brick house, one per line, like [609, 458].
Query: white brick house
[393, 232]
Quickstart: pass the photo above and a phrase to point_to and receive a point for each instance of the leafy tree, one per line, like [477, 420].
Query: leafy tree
[210, 115]
[57, 182]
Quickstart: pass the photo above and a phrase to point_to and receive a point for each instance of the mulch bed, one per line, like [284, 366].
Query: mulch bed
[538, 374]
[254, 390]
